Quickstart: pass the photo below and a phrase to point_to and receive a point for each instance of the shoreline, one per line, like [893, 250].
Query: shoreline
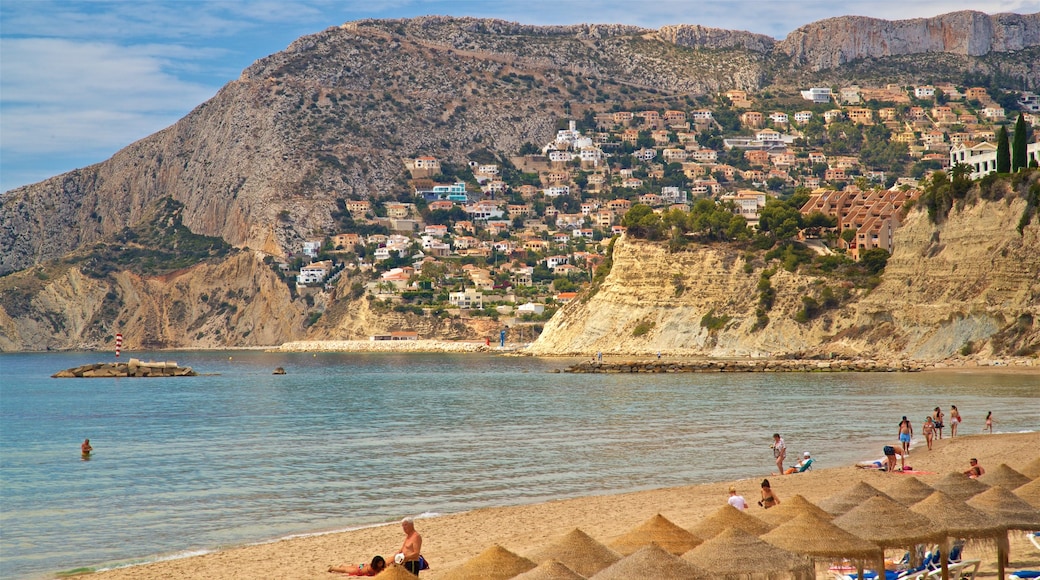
[452, 539]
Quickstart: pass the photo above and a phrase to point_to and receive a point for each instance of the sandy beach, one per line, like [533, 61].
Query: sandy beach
[450, 540]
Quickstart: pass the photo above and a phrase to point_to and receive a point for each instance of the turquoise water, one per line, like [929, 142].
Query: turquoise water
[240, 455]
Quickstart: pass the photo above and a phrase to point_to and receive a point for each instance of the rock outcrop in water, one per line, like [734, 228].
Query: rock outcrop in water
[131, 368]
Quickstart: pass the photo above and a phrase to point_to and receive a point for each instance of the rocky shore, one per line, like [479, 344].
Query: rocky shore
[131, 368]
[793, 365]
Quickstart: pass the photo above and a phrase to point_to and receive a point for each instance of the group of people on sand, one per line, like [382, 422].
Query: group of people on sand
[934, 424]
[408, 556]
[779, 448]
[769, 499]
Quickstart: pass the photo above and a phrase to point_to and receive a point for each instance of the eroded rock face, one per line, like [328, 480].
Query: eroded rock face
[835, 41]
[971, 279]
[696, 36]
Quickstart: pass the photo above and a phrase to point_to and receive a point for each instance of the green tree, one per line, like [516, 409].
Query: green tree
[874, 260]
[1003, 152]
[1019, 160]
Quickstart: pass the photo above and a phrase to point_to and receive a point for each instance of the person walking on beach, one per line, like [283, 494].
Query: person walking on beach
[769, 498]
[85, 449]
[929, 431]
[955, 419]
[906, 431]
[736, 501]
[408, 555]
[989, 423]
[937, 416]
[779, 452]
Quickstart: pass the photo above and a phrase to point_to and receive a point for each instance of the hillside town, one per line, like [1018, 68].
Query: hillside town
[514, 238]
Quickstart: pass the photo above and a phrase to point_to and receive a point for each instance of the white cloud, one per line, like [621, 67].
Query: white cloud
[64, 97]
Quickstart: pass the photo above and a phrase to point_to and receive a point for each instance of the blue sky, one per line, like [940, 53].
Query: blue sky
[80, 79]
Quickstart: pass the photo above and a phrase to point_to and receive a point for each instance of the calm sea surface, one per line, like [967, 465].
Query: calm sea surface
[239, 455]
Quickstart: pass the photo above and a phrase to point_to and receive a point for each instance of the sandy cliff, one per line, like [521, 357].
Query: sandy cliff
[971, 279]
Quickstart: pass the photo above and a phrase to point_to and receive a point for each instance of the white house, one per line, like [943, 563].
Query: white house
[817, 94]
[468, 298]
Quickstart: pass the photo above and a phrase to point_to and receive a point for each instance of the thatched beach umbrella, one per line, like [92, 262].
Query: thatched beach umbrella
[1005, 477]
[908, 490]
[550, 570]
[652, 561]
[1030, 492]
[579, 552]
[735, 555]
[958, 520]
[816, 537]
[960, 486]
[791, 508]
[1031, 469]
[1011, 511]
[727, 517]
[844, 501]
[658, 530]
[889, 525]
[495, 563]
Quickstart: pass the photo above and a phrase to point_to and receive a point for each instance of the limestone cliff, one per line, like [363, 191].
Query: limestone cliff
[972, 279]
[835, 41]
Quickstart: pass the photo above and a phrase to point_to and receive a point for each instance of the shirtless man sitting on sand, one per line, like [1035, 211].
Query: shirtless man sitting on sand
[410, 548]
[975, 470]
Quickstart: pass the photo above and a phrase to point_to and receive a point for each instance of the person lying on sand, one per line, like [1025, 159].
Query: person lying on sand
[371, 569]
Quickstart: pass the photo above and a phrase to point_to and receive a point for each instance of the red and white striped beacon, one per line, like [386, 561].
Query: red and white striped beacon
[119, 343]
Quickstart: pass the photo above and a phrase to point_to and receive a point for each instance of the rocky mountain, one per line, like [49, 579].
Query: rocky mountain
[836, 41]
[262, 165]
[971, 283]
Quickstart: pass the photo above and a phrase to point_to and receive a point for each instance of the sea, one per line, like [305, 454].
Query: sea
[239, 455]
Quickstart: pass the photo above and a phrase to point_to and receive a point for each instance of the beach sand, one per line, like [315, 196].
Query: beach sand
[450, 540]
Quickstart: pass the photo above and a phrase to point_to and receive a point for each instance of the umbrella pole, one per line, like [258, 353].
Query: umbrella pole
[944, 558]
[859, 570]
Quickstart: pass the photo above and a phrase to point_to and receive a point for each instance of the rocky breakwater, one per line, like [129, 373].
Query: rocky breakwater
[384, 346]
[131, 368]
[745, 366]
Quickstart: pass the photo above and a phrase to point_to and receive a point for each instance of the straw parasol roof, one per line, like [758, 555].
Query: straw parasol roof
[957, 519]
[1013, 512]
[550, 570]
[844, 501]
[886, 523]
[579, 552]
[652, 561]
[811, 535]
[1004, 476]
[959, 486]
[395, 572]
[495, 563]
[791, 508]
[735, 554]
[889, 525]
[658, 530]
[908, 490]
[1030, 492]
[727, 517]
[1031, 469]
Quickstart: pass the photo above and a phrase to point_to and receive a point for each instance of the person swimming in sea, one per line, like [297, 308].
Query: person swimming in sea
[85, 449]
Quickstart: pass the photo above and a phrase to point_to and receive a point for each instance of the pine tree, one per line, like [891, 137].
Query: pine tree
[1003, 152]
[1018, 146]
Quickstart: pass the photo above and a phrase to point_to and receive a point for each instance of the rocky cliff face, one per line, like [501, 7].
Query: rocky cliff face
[835, 41]
[696, 36]
[973, 279]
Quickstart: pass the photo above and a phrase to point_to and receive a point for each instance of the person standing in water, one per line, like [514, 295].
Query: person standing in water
[85, 449]
[955, 419]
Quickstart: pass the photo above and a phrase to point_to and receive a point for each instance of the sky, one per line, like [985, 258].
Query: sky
[81, 79]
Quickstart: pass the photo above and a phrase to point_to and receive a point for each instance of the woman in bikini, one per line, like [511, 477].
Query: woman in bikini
[929, 431]
[769, 498]
[955, 419]
[989, 423]
[370, 569]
